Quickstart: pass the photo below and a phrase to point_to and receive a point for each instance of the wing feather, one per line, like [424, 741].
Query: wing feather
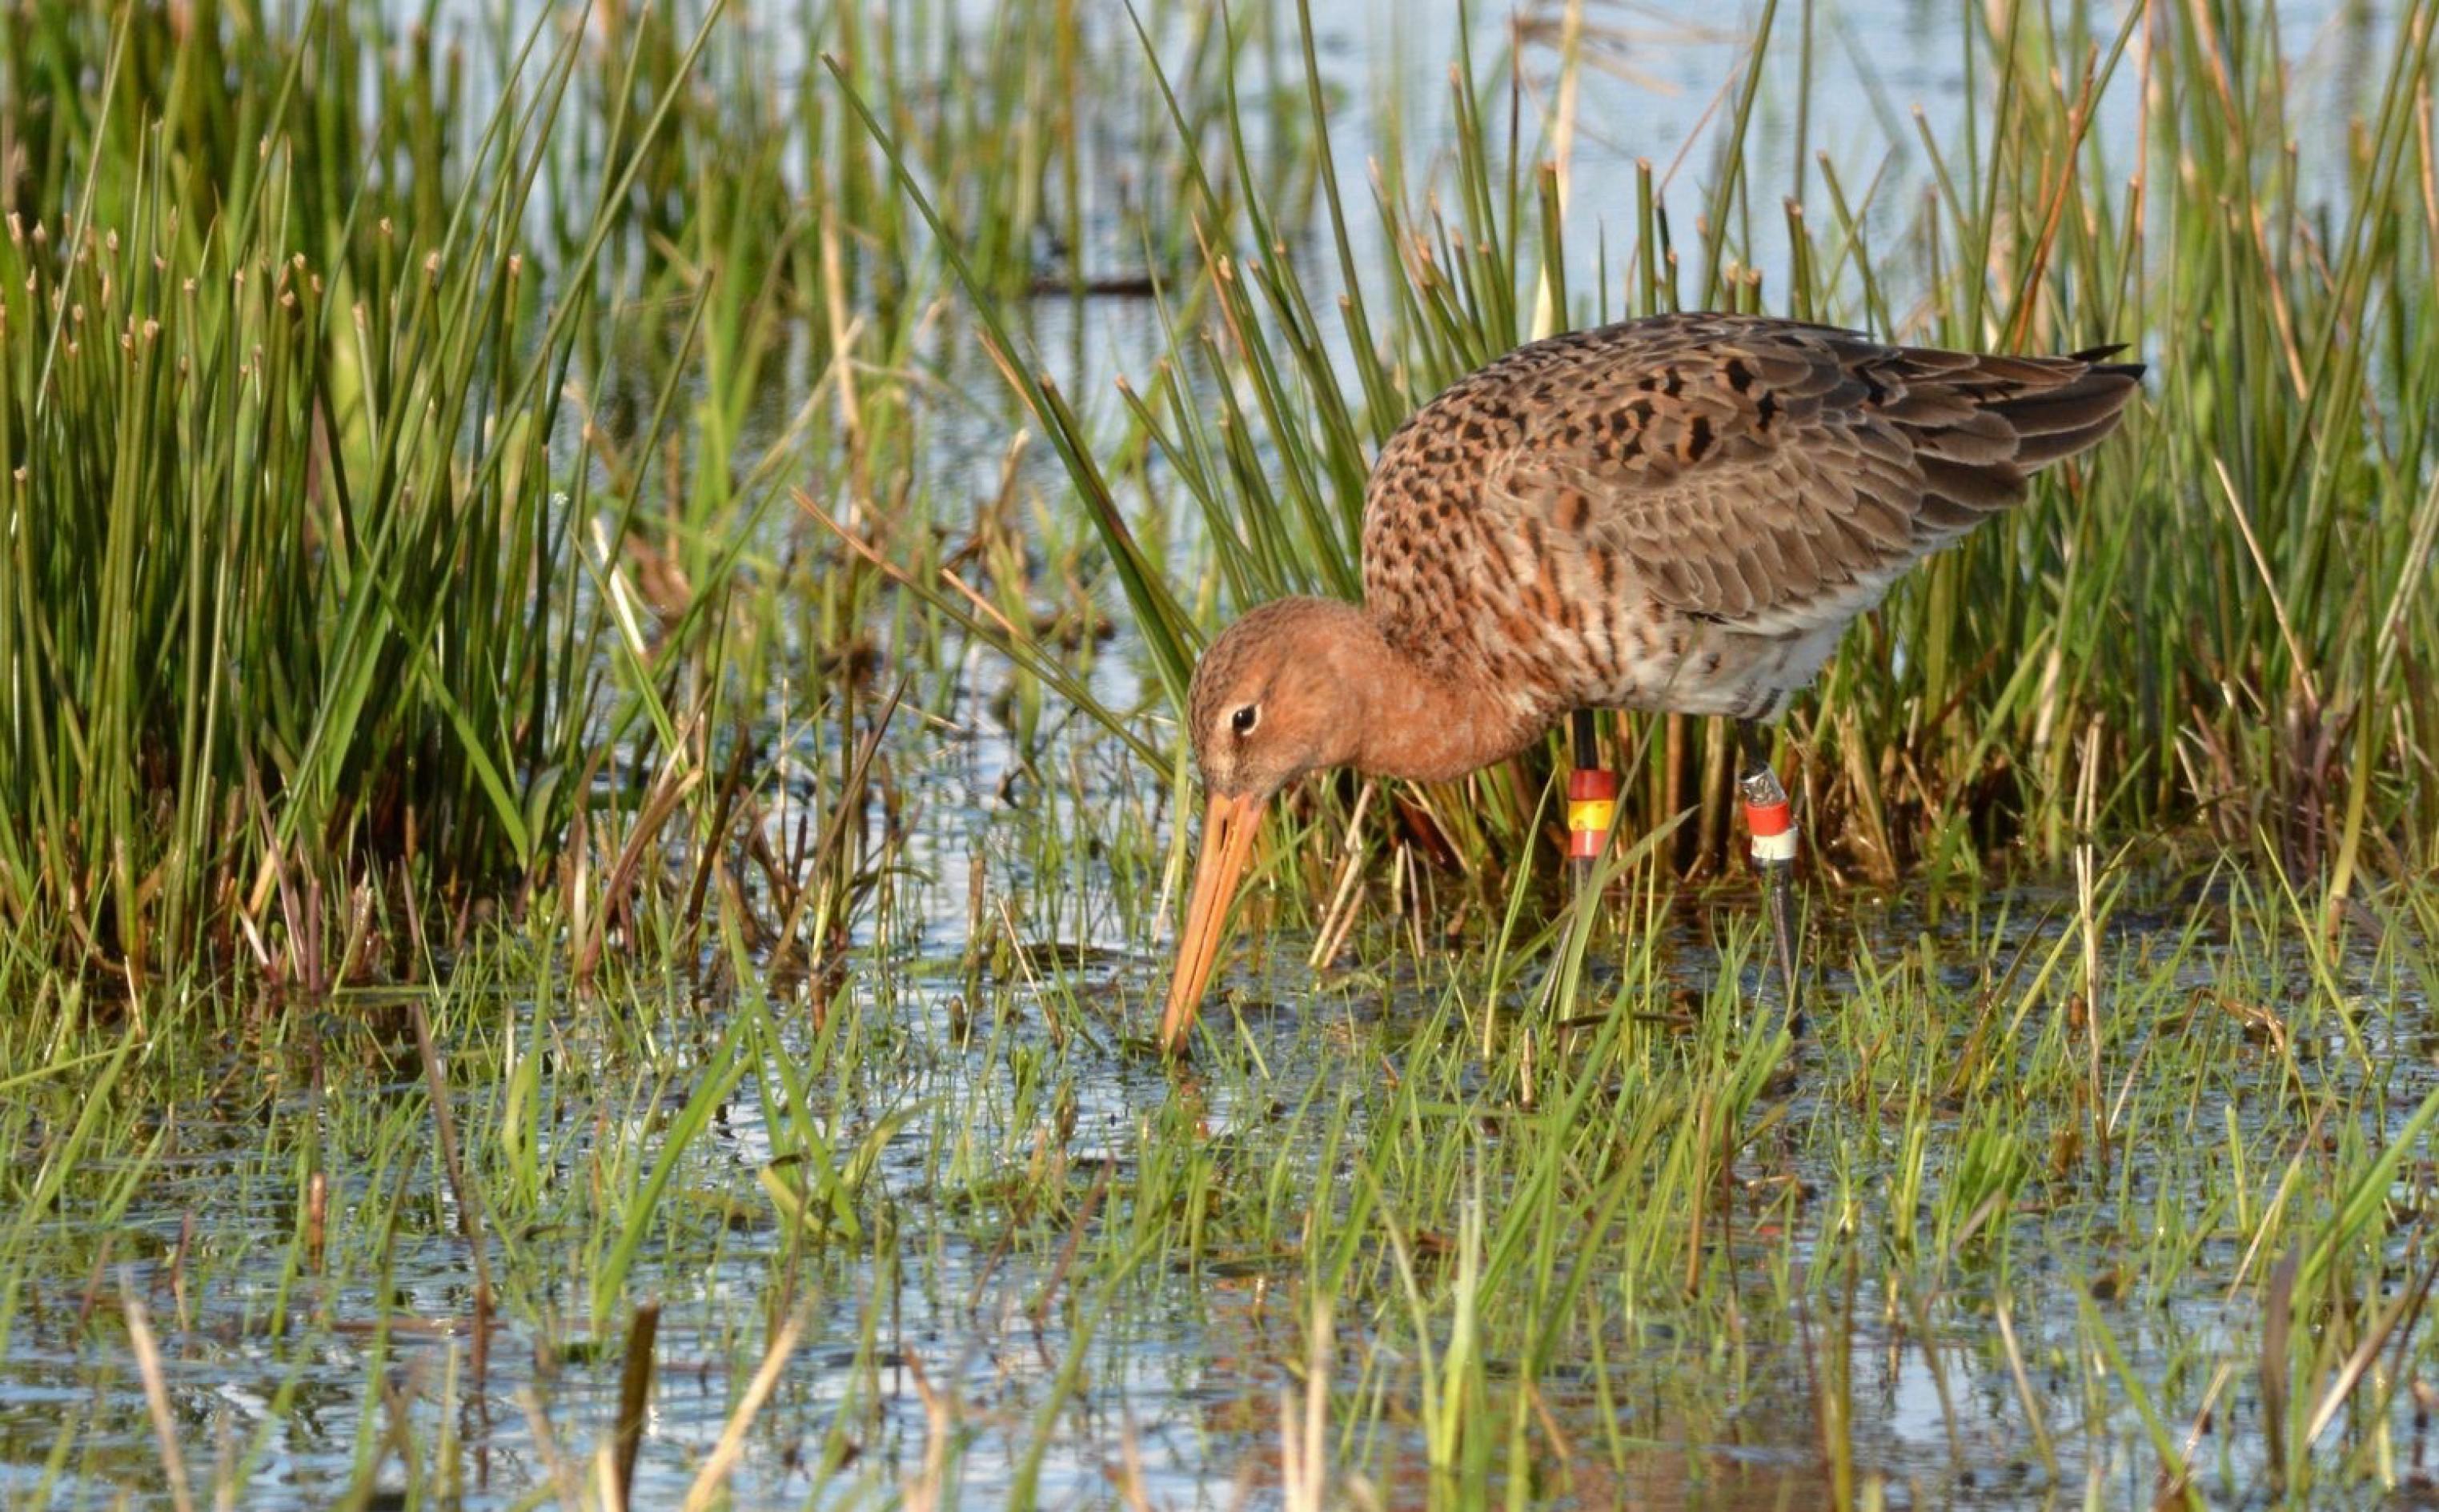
[1763, 474]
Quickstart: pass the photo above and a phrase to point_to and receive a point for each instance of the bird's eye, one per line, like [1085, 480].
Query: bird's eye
[1242, 720]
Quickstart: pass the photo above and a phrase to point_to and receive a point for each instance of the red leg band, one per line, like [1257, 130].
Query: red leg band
[1591, 805]
[1773, 830]
[1769, 819]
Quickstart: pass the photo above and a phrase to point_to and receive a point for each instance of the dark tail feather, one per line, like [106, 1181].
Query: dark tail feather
[2056, 446]
[2051, 424]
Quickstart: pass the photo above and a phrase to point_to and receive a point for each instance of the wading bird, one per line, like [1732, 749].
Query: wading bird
[1678, 514]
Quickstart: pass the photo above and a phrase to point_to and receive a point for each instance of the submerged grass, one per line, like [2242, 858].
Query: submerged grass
[1676, 1258]
[587, 542]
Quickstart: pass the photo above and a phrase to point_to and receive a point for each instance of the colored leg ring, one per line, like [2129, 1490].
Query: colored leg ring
[1592, 806]
[1770, 816]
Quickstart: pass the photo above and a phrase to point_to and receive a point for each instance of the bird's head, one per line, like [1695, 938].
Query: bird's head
[1275, 697]
[1279, 694]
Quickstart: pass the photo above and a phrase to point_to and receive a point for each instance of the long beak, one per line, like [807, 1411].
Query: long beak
[1228, 828]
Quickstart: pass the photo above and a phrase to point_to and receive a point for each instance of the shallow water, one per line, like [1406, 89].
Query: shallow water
[1002, 1252]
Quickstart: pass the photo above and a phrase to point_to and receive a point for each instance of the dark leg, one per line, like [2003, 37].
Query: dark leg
[1767, 813]
[1591, 801]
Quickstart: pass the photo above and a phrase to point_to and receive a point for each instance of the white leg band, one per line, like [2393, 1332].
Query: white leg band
[1780, 846]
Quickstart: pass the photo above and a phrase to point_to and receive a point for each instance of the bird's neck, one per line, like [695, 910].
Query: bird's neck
[1429, 721]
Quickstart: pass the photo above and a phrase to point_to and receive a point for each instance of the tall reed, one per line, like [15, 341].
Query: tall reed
[297, 604]
[2223, 610]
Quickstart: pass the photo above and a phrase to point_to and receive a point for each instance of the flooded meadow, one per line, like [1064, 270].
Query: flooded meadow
[594, 808]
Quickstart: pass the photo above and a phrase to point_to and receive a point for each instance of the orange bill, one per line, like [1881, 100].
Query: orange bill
[1228, 828]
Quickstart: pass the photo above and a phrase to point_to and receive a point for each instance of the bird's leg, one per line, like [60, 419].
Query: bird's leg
[1591, 801]
[1591, 805]
[1769, 816]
